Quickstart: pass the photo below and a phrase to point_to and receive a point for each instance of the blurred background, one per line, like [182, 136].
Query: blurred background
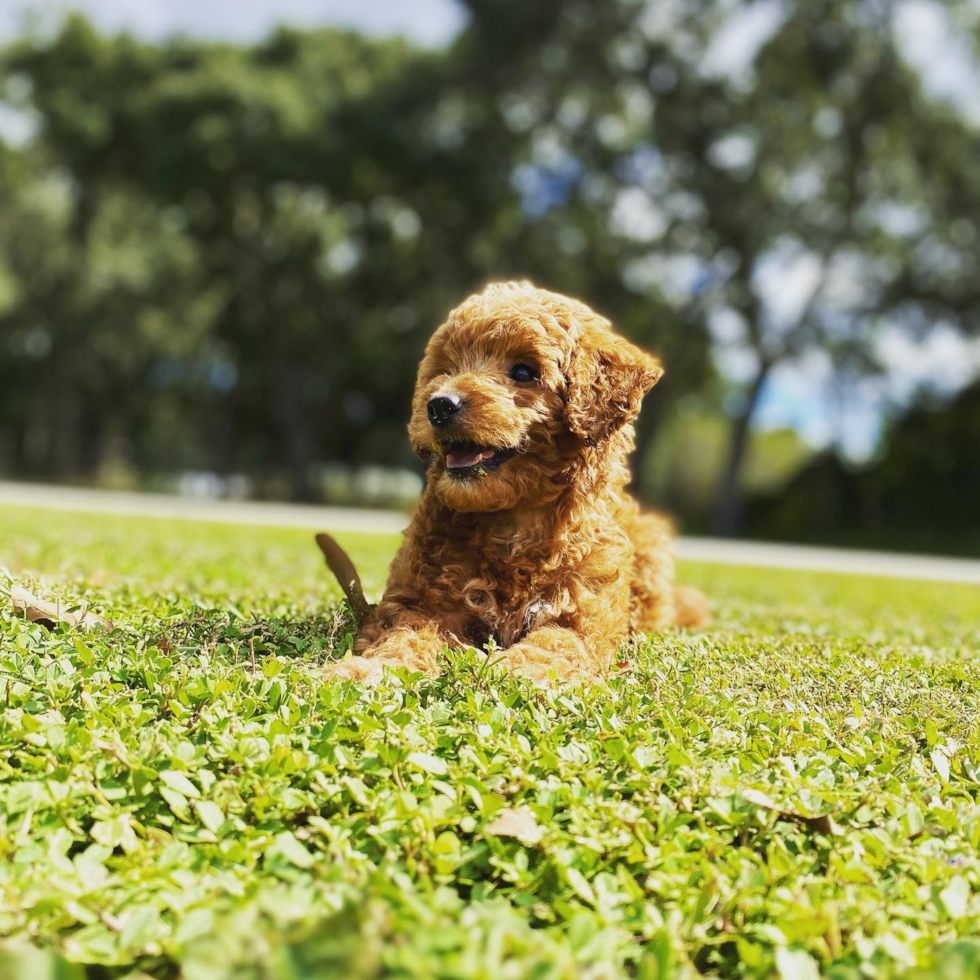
[227, 230]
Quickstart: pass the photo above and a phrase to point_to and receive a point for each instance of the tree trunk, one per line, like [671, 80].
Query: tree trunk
[728, 506]
[297, 440]
[88, 438]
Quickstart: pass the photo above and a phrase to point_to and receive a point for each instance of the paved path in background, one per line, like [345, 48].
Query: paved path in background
[203, 509]
[888, 564]
[922, 567]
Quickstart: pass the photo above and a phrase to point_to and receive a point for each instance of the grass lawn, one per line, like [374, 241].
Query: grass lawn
[791, 793]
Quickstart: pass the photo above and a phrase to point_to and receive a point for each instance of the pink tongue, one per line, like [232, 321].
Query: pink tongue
[456, 461]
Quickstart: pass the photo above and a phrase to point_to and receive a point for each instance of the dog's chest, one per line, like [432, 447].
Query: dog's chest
[506, 601]
[505, 625]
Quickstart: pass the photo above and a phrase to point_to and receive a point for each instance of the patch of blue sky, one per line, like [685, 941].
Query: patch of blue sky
[546, 186]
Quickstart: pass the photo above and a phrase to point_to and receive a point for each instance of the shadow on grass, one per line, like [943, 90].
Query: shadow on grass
[231, 637]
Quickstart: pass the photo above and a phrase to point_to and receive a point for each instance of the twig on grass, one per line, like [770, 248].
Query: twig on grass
[822, 823]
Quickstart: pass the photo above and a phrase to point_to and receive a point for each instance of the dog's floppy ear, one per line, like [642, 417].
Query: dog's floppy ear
[607, 379]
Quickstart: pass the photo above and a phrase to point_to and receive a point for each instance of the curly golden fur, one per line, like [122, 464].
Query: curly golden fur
[535, 545]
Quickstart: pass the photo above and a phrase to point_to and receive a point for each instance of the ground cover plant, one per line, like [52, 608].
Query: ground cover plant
[791, 793]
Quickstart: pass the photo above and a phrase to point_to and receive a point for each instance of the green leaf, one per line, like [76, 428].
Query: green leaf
[429, 763]
[139, 928]
[580, 885]
[956, 897]
[197, 922]
[293, 851]
[210, 814]
[179, 782]
[796, 964]
[176, 801]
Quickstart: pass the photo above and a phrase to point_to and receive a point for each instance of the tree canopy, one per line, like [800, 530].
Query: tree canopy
[229, 257]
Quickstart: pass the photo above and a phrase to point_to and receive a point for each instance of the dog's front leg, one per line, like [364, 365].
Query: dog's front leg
[394, 636]
[559, 650]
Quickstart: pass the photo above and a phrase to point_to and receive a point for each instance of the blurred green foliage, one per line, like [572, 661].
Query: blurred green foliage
[228, 258]
[920, 493]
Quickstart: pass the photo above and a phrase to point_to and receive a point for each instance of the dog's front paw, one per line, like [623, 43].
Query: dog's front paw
[364, 670]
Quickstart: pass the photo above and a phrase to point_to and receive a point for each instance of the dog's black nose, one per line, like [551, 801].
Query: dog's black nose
[442, 408]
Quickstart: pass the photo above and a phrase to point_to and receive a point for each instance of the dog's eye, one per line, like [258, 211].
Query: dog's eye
[523, 374]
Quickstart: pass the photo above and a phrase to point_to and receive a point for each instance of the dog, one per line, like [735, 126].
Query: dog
[525, 540]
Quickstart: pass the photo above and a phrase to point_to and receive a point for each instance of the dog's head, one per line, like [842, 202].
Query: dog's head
[514, 388]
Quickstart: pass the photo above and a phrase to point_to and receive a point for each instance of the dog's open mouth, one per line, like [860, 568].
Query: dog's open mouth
[469, 459]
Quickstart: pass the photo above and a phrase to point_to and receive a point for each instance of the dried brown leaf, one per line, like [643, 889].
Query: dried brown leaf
[519, 823]
[48, 613]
